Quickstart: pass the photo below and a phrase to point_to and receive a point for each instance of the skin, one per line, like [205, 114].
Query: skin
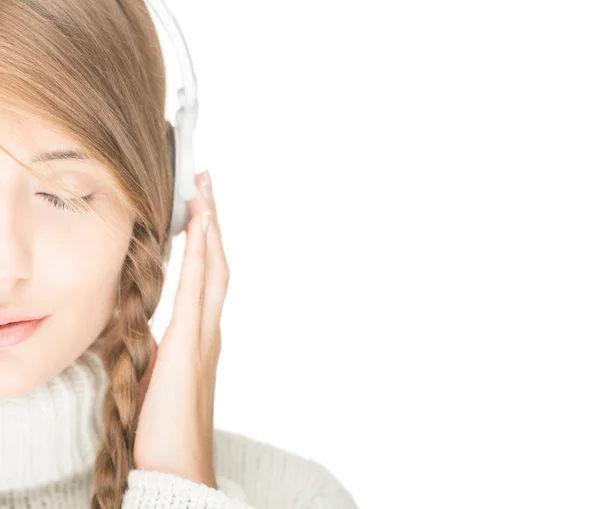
[66, 264]
[175, 429]
[54, 262]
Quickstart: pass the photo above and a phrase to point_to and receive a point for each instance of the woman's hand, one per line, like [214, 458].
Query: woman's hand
[175, 428]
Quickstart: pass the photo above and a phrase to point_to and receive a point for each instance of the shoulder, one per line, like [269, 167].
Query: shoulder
[273, 477]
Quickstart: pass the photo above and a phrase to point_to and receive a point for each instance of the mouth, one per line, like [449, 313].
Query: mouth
[24, 320]
[16, 332]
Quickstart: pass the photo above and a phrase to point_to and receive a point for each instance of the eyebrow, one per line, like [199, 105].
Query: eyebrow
[56, 155]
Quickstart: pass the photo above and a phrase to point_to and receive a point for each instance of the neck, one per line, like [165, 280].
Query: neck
[54, 431]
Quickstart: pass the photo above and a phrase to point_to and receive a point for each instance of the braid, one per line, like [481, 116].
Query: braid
[126, 354]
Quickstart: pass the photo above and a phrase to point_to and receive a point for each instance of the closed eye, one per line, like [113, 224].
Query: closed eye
[62, 204]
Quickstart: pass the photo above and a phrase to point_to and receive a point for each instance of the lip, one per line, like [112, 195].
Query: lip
[15, 333]
[12, 315]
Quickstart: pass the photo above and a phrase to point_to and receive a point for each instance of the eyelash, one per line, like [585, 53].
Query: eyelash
[61, 204]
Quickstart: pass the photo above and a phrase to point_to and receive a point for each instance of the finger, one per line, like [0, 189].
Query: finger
[194, 205]
[209, 200]
[189, 297]
[204, 200]
[217, 280]
[207, 186]
[217, 275]
[217, 269]
[204, 189]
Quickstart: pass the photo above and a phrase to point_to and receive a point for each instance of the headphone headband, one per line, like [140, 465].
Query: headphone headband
[181, 134]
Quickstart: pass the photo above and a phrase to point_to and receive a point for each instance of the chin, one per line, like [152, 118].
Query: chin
[15, 388]
[18, 379]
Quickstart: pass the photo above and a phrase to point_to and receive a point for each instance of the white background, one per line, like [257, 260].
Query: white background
[409, 199]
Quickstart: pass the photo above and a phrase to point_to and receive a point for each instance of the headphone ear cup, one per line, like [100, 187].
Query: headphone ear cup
[172, 161]
[171, 136]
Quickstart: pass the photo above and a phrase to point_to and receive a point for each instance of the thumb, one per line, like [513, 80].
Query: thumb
[145, 381]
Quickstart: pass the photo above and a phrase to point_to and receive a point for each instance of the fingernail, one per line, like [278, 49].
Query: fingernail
[206, 186]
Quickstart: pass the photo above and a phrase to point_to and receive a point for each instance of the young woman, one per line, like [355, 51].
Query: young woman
[91, 410]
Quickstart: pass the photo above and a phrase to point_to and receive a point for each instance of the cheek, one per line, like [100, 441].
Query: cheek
[83, 266]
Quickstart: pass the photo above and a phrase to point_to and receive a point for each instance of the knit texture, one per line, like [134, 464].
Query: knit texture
[49, 440]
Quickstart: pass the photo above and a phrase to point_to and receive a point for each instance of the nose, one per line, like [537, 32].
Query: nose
[14, 250]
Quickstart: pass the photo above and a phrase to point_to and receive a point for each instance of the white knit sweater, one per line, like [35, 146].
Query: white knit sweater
[49, 440]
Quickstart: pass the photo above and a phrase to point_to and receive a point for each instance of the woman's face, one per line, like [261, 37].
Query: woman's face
[54, 261]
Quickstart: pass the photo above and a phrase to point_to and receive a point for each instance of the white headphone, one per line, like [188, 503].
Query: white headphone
[181, 140]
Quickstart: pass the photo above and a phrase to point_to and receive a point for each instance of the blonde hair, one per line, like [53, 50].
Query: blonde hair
[95, 71]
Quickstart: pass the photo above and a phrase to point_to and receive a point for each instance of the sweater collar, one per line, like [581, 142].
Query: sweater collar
[54, 431]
